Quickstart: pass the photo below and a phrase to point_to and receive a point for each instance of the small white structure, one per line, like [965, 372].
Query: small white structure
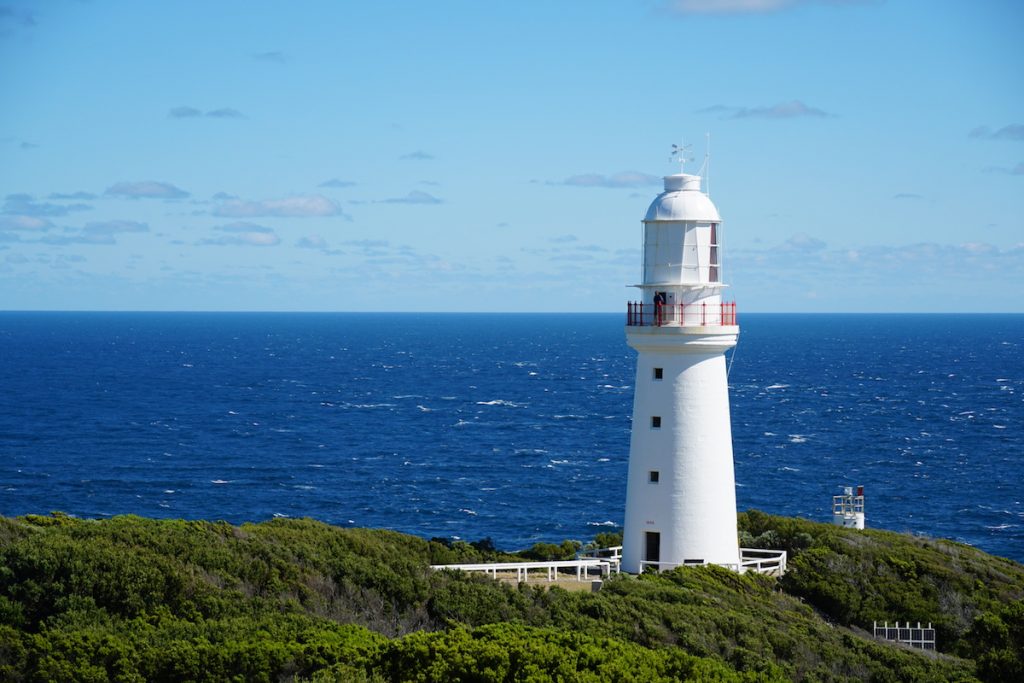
[848, 509]
[680, 493]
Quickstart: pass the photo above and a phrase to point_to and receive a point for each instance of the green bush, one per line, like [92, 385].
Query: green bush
[134, 599]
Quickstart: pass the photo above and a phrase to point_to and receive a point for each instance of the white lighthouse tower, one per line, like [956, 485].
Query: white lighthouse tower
[681, 490]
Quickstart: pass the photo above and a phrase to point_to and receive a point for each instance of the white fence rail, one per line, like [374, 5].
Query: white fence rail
[581, 567]
[770, 562]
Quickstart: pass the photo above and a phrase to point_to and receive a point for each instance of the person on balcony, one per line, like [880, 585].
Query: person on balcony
[659, 302]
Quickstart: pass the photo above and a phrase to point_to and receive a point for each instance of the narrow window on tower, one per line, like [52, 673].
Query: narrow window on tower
[655, 422]
[654, 476]
[659, 373]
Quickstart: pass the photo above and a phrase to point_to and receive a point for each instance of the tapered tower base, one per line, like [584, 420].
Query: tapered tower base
[681, 496]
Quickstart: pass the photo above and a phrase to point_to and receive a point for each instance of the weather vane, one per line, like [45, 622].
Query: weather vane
[679, 154]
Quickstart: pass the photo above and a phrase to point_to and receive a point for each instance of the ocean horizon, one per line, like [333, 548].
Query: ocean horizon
[512, 426]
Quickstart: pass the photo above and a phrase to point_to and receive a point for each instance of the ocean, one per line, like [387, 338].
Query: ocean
[508, 426]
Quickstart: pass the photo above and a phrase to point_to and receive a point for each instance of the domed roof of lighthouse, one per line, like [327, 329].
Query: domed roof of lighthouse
[682, 200]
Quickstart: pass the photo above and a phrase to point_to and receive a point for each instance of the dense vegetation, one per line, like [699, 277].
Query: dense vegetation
[134, 599]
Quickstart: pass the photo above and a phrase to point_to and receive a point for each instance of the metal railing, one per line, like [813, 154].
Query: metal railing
[680, 315]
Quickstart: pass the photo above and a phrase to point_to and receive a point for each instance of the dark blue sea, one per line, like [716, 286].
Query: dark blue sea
[509, 426]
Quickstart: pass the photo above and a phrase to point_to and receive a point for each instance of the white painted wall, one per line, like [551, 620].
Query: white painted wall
[693, 505]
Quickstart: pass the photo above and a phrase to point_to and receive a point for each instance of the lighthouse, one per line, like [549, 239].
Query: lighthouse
[681, 488]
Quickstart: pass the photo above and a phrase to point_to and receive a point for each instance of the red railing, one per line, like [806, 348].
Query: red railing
[680, 315]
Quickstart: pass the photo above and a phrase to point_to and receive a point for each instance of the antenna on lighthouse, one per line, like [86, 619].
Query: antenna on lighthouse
[706, 167]
[679, 153]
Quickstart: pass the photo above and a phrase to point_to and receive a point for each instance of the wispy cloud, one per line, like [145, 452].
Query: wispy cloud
[628, 179]
[746, 6]
[27, 206]
[28, 145]
[114, 227]
[186, 112]
[907, 196]
[101, 232]
[416, 156]
[273, 56]
[922, 261]
[414, 197]
[1016, 170]
[225, 113]
[147, 189]
[72, 195]
[289, 207]
[803, 243]
[18, 222]
[1014, 131]
[783, 110]
[244, 234]
[334, 182]
[312, 242]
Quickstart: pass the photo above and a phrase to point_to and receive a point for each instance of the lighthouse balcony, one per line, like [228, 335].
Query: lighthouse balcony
[680, 315]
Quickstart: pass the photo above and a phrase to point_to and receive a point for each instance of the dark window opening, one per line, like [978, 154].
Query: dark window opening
[659, 373]
[655, 476]
[656, 422]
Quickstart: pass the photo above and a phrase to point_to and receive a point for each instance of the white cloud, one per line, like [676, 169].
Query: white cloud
[244, 234]
[414, 197]
[183, 112]
[746, 6]
[1014, 131]
[225, 113]
[99, 232]
[187, 112]
[273, 56]
[289, 207]
[18, 222]
[312, 242]
[147, 189]
[783, 110]
[26, 205]
[1016, 170]
[114, 227]
[334, 182]
[615, 180]
[72, 195]
[803, 242]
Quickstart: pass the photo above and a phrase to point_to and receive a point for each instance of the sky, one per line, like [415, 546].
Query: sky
[866, 156]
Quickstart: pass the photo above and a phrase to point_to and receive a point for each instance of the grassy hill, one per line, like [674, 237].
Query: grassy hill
[133, 599]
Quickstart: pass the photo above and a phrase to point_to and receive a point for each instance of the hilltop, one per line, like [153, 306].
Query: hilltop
[135, 599]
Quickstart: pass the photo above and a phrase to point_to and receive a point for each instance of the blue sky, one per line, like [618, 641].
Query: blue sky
[468, 156]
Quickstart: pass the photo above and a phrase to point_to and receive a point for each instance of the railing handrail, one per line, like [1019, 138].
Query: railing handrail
[553, 564]
[639, 314]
